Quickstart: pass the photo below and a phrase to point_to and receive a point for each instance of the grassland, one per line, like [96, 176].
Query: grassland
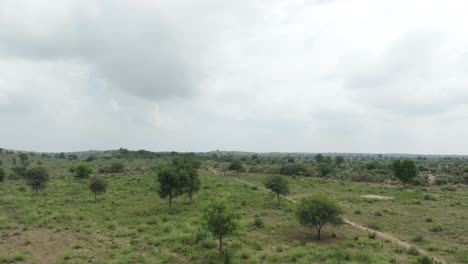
[131, 224]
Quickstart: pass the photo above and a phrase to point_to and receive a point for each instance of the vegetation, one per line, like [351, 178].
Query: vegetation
[278, 185]
[82, 171]
[2, 174]
[131, 224]
[37, 178]
[317, 212]
[171, 184]
[236, 166]
[405, 170]
[97, 186]
[221, 221]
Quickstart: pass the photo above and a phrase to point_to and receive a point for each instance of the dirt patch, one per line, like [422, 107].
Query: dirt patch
[378, 197]
[42, 245]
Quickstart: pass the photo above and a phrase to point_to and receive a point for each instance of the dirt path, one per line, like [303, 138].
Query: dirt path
[381, 235]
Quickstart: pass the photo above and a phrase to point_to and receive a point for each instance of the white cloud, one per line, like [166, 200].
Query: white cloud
[356, 76]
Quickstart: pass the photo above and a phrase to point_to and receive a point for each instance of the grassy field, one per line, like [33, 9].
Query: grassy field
[131, 224]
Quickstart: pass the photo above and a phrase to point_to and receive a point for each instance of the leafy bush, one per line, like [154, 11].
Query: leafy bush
[258, 223]
[437, 228]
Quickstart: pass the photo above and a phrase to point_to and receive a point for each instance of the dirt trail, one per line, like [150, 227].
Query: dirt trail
[381, 235]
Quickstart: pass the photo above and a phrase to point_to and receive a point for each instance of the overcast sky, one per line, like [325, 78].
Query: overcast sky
[252, 75]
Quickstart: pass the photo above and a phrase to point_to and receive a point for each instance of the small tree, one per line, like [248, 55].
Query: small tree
[339, 160]
[82, 171]
[24, 159]
[171, 183]
[187, 167]
[117, 167]
[319, 158]
[317, 212]
[97, 186]
[2, 174]
[278, 185]
[326, 169]
[405, 170]
[37, 178]
[221, 221]
[236, 166]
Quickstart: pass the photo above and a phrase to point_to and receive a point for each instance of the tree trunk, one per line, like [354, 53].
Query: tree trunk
[190, 196]
[318, 233]
[278, 198]
[94, 196]
[220, 245]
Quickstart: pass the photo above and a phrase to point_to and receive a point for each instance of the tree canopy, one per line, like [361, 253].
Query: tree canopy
[37, 178]
[221, 221]
[317, 212]
[277, 184]
[236, 166]
[82, 171]
[97, 186]
[405, 170]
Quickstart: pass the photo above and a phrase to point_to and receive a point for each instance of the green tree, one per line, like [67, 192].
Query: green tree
[97, 186]
[236, 166]
[405, 170]
[187, 166]
[117, 166]
[221, 221]
[24, 159]
[326, 169]
[317, 212]
[278, 185]
[37, 178]
[2, 174]
[293, 169]
[82, 171]
[339, 160]
[319, 158]
[171, 183]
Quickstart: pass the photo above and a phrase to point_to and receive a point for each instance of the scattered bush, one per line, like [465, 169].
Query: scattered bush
[437, 228]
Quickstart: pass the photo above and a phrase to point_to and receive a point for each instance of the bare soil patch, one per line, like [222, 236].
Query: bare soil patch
[378, 197]
[42, 245]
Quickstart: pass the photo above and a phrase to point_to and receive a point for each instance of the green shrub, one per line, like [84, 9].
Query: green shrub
[437, 228]
[412, 251]
[418, 238]
[258, 223]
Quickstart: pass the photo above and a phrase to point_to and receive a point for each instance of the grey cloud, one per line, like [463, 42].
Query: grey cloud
[132, 49]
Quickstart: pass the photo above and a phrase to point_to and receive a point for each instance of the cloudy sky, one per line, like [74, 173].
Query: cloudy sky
[253, 75]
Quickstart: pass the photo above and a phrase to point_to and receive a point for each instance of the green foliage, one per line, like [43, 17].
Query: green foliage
[236, 166]
[117, 167]
[317, 212]
[405, 170]
[258, 223]
[171, 183]
[326, 169]
[2, 174]
[97, 186]
[319, 158]
[278, 185]
[339, 160]
[37, 178]
[82, 171]
[293, 169]
[221, 221]
[24, 159]
[187, 167]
